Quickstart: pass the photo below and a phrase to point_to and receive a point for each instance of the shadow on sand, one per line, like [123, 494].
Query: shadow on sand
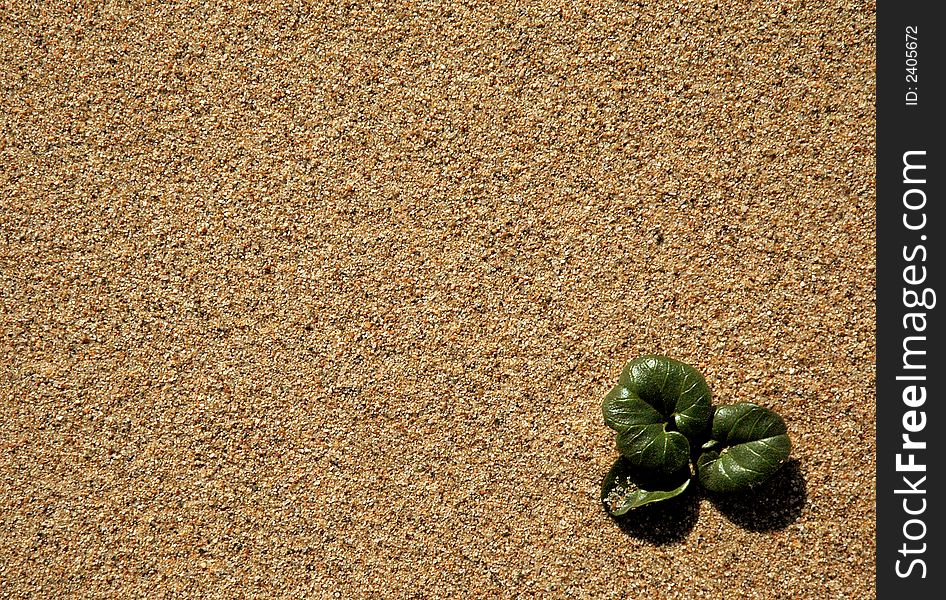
[666, 522]
[772, 506]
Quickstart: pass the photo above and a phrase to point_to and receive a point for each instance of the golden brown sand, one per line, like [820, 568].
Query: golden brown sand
[321, 299]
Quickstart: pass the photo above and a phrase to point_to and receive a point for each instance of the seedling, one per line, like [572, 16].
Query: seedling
[661, 411]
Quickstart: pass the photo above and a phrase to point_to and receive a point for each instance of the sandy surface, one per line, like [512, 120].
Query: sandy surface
[314, 300]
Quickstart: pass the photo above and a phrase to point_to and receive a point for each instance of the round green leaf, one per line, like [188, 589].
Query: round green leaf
[749, 443]
[624, 489]
[656, 405]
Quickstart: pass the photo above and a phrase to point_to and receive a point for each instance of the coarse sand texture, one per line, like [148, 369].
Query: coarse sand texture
[321, 299]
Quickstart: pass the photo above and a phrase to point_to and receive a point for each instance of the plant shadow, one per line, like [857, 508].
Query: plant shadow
[663, 523]
[774, 505]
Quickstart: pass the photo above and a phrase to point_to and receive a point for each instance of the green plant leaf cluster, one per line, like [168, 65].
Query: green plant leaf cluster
[662, 412]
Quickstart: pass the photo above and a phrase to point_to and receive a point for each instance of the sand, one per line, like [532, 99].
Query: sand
[322, 300]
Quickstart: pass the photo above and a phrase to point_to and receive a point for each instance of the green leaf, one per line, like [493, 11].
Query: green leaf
[625, 488]
[657, 404]
[749, 443]
[652, 447]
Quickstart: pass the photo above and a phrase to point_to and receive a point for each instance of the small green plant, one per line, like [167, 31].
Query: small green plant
[664, 419]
